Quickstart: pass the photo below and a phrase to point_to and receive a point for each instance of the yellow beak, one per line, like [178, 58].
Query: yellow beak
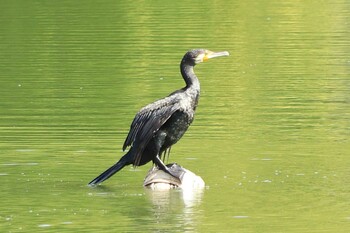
[211, 54]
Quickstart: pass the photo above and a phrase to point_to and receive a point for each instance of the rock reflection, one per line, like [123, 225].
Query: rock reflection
[176, 207]
[173, 204]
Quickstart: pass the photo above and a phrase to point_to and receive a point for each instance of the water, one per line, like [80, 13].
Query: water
[270, 138]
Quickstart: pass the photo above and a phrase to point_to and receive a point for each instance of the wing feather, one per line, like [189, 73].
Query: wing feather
[147, 122]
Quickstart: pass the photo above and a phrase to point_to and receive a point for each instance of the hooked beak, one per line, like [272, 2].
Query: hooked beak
[211, 54]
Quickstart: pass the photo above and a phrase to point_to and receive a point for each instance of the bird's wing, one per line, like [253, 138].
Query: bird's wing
[147, 122]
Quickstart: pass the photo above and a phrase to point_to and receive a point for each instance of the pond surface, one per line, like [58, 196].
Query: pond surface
[271, 136]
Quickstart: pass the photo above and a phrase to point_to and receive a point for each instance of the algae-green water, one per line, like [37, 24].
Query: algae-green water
[270, 136]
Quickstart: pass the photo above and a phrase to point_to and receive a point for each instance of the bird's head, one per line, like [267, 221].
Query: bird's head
[196, 56]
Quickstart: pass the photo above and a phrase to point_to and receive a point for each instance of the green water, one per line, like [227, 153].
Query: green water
[271, 136]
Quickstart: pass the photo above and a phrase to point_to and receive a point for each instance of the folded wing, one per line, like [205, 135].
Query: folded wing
[147, 122]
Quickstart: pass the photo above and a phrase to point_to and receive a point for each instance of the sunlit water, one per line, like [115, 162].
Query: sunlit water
[270, 138]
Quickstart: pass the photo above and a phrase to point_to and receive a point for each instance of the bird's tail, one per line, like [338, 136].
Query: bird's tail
[111, 171]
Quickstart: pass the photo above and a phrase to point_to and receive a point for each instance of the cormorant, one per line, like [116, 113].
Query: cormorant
[159, 125]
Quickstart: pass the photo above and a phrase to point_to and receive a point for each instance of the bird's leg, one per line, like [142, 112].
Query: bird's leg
[163, 167]
[161, 135]
[165, 156]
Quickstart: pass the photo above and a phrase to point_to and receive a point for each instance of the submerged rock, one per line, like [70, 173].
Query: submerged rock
[158, 179]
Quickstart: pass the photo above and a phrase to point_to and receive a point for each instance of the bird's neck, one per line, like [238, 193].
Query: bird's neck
[189, 76]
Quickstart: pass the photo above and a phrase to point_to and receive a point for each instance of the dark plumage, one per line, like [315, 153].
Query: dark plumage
[159, 125]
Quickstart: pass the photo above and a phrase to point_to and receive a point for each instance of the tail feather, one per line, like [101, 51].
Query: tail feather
[109, 172]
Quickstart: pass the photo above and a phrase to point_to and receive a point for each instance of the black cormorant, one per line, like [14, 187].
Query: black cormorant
[159, 125]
